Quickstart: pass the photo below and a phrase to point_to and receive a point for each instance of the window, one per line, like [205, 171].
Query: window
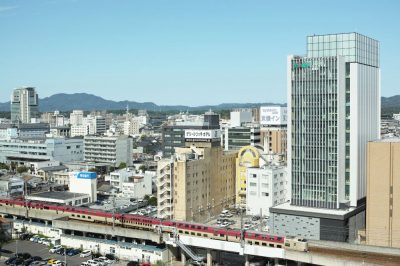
[252, 184]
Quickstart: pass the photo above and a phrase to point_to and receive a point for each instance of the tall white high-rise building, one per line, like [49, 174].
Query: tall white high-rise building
[24, 105]
[76, 118]
[333, 111]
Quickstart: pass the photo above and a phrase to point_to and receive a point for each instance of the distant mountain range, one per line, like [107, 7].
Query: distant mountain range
[89, 102]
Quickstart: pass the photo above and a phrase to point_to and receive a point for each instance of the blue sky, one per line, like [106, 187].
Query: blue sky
[178, 52]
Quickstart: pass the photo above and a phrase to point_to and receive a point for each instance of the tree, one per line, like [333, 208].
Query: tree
[4, 166]
[152, 201]
[93, 169]
[22, 169]
[143, 168]
[122, 165]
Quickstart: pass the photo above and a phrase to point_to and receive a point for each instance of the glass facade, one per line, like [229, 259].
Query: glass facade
[314, 105]
[353, 46]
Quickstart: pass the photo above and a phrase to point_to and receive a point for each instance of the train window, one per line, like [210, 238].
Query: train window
[78, 216]
[198, 234]
[279, 238]
[186, 232]
[194, 227]
[205, 235]
[250, 242]
[83, 216]
[279, 246]
[256, 243]
[287, 244]
[221, 235]
[89, 217]
[180, 231]
[73, 215]
[192, 233]
[263, 244]
[205, 228]
[215, 234]
[271, 245]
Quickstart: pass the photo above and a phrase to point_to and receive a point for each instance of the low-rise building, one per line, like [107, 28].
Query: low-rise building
[61, 197]
[11, 186]
[267, 186]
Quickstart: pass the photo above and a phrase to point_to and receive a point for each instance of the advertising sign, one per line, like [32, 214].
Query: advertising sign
[86, 175]
[200, 134]
[274, 115]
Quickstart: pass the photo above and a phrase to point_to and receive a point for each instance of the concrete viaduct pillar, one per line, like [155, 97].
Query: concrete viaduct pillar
[209, 257]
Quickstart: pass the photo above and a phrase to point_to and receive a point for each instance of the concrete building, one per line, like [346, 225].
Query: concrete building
[173, 132]
[203, 181]
[333, 111]
[54, 149]
[33, 131]
[61, 197]
[383, 193]
[35, 166]
[24, 105]
[11, 186]
[131, 127]
[240, 117]
[248, 156]
[165, 173]
[237, 137]
[84, 183]
[273, 132]
[76, 118]
[111, 150]
[267, 187]
[8, 131]
[137, 186]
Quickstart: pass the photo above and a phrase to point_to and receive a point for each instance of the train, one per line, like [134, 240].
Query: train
[161, 225]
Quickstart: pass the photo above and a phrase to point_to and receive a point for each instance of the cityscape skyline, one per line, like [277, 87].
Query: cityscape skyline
[175, 48]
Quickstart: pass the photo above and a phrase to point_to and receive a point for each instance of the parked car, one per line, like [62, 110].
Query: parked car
[10, 260]
[84, 264]
[100, 261]
[93, 263]
[55, 249]
[85, 253]
[73, 252]
[28, 262]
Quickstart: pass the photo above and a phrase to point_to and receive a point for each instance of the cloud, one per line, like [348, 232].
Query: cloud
[7, 8]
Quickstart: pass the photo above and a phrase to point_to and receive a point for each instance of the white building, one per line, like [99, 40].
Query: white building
[8, 132]
[79, 130]
[131, 127]
[112, 150]
[76, 118]
[240, 117]
[84, 183]
[11, 186]
[35, 166]
[130, 183]
[52, 149]
[334, 110]
[164, 183]
[265, 187]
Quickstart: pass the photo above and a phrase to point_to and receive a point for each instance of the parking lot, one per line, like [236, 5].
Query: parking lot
[232, 219]
[35, 249]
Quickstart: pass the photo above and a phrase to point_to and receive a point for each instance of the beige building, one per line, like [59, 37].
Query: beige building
[273, 139]
[204, 182]
[383, 193]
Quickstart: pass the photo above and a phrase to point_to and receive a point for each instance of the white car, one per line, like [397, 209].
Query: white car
[100, 262]
[55, 249]
[106, 260]
[58, 263]
[84, 264]
[93, 263]
[85, 253]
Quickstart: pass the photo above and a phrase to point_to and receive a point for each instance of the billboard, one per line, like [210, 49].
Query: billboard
[274, 115]
[85, 175]
[202, 134]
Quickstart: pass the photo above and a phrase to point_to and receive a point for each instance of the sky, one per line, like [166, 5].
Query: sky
[178, 52]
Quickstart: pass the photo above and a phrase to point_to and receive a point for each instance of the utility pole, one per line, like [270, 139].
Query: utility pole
[113, 213]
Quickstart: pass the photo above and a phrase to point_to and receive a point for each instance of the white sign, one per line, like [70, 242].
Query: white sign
[202, 134]
[274, 115]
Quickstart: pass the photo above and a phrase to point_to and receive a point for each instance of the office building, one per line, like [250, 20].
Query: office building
[240, 117]
[273, 132]
[266, 187]
[84, 183]
[111, 150]
[203, 179]
[173, 132]
[383, 193]
[33, 131]
[237, 137]
[24, 105]
[11, 186]
[76, 118]
[333, 111]
[51, 149]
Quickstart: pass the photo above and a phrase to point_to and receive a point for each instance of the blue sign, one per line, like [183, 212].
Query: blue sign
[86, 175]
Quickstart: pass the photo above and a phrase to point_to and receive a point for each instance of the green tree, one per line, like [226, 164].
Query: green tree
[22, 169]
[93, 169]
[152, 201]
[122, 165]
[4, 166]
[143, 168]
